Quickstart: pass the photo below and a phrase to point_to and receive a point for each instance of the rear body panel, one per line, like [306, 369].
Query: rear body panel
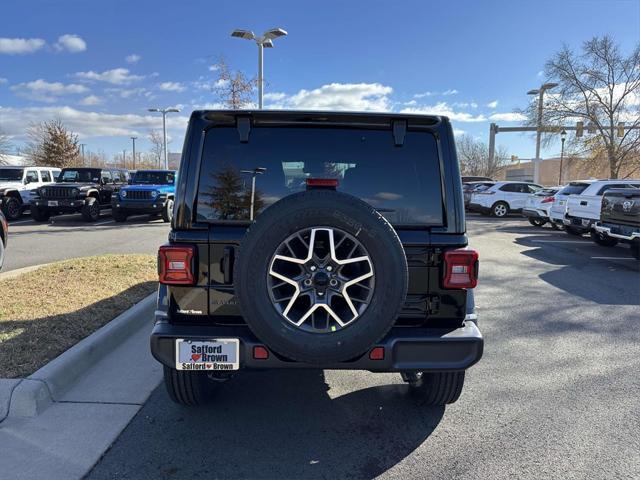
[210, 309]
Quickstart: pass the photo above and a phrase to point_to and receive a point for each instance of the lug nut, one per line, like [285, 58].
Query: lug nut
[333, 283]
[307, 282]
[320, 294]
[313, 268]
[329, 268]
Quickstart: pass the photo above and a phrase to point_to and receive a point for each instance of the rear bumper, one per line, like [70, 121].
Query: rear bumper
[578, 223]
[406, 348]
[622, 232]
[529, 213]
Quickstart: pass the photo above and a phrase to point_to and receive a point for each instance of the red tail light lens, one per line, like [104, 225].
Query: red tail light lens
[176, 264]
[461, 269]
[322, 182]
[548, 200]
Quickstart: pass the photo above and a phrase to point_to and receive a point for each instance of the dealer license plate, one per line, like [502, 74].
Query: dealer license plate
[52, 203]
[213, 355]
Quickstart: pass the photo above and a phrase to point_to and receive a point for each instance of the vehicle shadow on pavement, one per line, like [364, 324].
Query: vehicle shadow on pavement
[274, 424]
[576, 264]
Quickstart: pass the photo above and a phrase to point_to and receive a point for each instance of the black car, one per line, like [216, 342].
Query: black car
[84, 190]
[4, 237]
[619, 219]
[317, 240]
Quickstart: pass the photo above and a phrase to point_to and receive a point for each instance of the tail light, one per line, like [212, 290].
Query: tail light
[548, 200]
[460, 268]
[322, 183]
[176, 264]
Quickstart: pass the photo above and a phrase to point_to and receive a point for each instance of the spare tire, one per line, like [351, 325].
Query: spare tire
[320, 277]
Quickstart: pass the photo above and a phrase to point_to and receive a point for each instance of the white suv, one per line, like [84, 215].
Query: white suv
[556, 213]
[583, 209]
[502, 198]
[18, 185]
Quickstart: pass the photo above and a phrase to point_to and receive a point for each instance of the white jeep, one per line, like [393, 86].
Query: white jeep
[18, 185]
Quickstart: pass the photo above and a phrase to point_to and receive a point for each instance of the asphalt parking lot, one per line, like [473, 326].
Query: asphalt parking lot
[555, 396]
[68, 236]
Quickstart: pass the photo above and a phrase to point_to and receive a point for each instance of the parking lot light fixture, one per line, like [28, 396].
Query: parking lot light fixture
[563, 137]
[164, 112]
[263, 41]
[540, 92]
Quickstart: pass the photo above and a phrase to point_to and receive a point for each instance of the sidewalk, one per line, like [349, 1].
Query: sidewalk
[70, 436]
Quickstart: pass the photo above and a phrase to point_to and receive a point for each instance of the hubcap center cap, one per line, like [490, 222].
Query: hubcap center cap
[321, 279]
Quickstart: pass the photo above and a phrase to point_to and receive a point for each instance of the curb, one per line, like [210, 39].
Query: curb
[19, 271]
[32, 395]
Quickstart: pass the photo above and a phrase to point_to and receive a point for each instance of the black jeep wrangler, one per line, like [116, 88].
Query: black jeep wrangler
[84, 190]
[317, 240]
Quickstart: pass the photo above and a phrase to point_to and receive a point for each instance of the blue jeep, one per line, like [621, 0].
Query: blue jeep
[150, 192]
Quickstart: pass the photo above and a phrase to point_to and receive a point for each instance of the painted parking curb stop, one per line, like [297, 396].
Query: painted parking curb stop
[31, 396]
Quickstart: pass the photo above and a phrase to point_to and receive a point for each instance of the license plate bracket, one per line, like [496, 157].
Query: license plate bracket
[52, 203]
[211, 355]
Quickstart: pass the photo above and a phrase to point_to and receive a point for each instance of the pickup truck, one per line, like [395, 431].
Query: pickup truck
[583, 210]
[317, 240]
[151, 192]
[620, 218]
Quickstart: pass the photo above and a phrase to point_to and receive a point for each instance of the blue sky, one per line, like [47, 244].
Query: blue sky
[99, 65]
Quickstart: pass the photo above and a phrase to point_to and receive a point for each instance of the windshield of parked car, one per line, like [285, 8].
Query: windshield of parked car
[403, 184]
[10, 174]
[79, 175]
[153, 178]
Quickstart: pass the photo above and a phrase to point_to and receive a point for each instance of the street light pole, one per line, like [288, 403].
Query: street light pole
[254, 173]
[264, 41]
[133, 139]
[82, 150]
[563, 137]
[164, 112]
[540, 92]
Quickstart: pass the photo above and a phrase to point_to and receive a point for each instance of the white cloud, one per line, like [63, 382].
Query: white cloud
[3, 81]
[424, 94]
[508, 117]
[44, 91]
[444, 109]
[339, 96]
[116, 76]
[133, 58]
[451, 91]
[20, 46]
[465, 104]
[493, 104]
[129, 92]
[214, 68]
[275, 96]
[70, 43]
[457, 132]
[88, 124]
[540, 73]
[172, 87]
[91, 100]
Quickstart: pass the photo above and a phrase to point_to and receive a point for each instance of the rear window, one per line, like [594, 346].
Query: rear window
[402, 183]
[574, 189]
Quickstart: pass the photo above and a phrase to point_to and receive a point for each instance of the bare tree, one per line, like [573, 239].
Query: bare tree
[232, 87]
[600, 87]
[157, 146]
[473, 156]
[51, 144]
[5, 147]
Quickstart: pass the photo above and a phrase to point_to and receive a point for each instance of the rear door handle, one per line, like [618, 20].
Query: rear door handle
[583, 203]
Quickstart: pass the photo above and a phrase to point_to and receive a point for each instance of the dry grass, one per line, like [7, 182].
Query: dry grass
[46, 311]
